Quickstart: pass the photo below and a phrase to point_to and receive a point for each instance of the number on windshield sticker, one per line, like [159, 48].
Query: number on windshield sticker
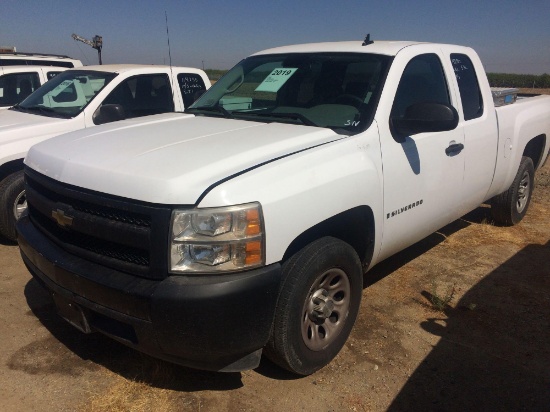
[275, 80]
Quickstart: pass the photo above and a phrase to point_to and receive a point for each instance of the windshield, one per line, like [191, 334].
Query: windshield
[334, 90]
[66, 94]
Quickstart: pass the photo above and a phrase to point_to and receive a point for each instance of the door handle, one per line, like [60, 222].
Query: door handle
[454, 148]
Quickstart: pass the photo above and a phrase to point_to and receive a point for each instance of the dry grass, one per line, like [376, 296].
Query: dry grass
[483, 233]
[144, 393]
[542, 178]
[131, 396]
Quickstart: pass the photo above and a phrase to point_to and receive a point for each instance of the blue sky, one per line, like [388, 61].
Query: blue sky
[510, 36]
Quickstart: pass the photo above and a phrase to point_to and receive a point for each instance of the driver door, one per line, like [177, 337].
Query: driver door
[422, 177]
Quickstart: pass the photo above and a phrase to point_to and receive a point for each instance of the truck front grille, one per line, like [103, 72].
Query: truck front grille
[119, 233]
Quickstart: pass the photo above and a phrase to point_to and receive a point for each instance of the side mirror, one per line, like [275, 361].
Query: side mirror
[424, 117]
[108, 113]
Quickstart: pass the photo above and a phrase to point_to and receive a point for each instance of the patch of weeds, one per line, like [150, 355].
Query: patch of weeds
[440, 302]
[542, 179]
[487, 222]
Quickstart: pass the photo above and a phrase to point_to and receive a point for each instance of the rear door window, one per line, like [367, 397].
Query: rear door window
[191, 86]
[470, 93]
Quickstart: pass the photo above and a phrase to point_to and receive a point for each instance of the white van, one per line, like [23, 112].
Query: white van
[36, 59]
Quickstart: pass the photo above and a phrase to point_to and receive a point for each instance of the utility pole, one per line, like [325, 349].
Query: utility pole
[96, 43]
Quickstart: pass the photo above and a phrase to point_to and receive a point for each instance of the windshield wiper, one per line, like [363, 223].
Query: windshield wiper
[217, 108]
[17, 107]
[295, 116]
[41, 109]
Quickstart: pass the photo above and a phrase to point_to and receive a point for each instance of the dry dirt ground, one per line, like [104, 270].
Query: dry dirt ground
[487, 350]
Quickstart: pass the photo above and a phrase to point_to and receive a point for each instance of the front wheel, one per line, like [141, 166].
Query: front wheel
[317, 307]
[510, 207]
[12, 203]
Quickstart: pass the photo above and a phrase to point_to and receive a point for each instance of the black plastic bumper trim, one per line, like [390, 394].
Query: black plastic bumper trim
[206, 322]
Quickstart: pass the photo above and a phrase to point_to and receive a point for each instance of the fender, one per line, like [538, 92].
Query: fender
[519, 123]
[295, 198]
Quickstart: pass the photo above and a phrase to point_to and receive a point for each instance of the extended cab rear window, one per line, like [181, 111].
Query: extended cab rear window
[191, 86]
[470, 93]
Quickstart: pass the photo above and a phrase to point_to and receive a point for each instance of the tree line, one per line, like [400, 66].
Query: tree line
[519, 80]
[214, 74]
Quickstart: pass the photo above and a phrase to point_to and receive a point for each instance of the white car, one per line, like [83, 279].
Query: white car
[82, 98]
[18, 82]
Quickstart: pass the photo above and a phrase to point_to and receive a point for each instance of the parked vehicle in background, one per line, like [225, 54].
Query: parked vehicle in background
[37, 59]
[80, 98]
[18, 82]
[246, 225]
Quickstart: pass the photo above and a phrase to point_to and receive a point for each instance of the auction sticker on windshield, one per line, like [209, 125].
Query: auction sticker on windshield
[60, 87]
[275, 80]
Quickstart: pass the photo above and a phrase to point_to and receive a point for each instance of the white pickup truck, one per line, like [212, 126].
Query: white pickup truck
[80, 98]
[246, 225]
[18, 82]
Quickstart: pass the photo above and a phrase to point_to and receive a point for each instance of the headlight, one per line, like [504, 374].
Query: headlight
[217, 240]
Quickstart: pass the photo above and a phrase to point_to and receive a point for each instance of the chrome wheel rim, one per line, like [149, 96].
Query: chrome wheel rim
[523, 192]
[19, 205]
[325, 309]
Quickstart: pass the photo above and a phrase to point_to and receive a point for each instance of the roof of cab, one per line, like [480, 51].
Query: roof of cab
[29, 68]
[389, 48]
[121, 68]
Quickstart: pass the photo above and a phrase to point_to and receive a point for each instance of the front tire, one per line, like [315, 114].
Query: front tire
[510, 207]
[12, 204]
[317, 307]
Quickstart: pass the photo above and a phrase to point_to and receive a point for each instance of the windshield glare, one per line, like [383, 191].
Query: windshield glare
[335, 90]
[67, 94]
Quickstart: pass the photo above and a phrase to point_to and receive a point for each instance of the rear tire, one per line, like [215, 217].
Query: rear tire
[510, 207]
[317, 307]
[12, 204]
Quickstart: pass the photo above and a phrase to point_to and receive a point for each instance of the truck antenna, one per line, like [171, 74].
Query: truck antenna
[367, 40]
[168, 37]
[169, 52]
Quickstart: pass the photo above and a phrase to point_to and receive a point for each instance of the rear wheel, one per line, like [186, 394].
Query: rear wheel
[12, 204]
[510, 207]
[317, 307]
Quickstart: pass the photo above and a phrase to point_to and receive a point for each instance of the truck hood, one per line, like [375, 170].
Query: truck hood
[169, 158]
[16, 126]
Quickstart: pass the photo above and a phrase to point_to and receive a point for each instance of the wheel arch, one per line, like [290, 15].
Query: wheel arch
[10, 167]
[354, 226]
[535, 150]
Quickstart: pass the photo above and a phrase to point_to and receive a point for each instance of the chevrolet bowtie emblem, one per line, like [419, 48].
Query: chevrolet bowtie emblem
[61, 218]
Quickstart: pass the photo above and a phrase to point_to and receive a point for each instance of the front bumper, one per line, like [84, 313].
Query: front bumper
[217, 322]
